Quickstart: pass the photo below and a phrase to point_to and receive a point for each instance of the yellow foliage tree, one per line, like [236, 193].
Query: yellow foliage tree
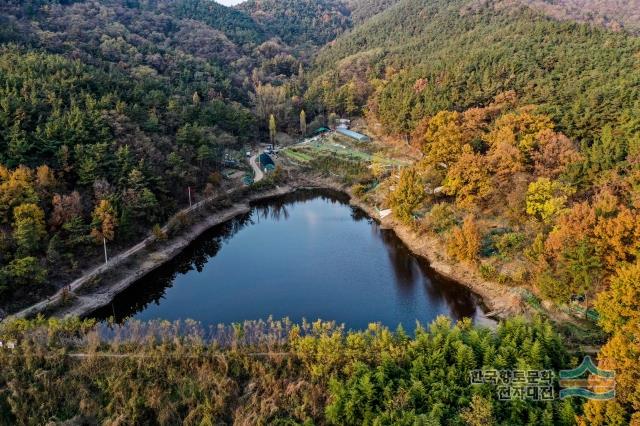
[468, 179]
[407, 196]
[45, 178]
[617, 238]
[547, 198]
[522, 129]
[444, 138]
[16, 187]
[104, 221]
[620, 315]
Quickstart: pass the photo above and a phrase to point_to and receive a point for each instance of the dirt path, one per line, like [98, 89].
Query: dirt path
[259, 175]
[91, 274]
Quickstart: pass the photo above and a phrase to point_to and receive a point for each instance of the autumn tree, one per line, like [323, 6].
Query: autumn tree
[303, 123]
[571, 226]
[45, 179]
[505, 160]
[479, 413]
[16, 187]
[468, 179]
[465, 241]
[554, 154]
[620, 316]
[104, 221]
[65, 208]
[407, 196]
[444, 138]
[546, 198]
[618, 306]
[617, 236]
[521, 129]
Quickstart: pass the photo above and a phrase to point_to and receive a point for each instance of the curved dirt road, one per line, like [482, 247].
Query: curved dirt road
[259, 175]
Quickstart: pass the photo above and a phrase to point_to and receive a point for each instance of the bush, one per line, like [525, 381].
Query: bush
[441, 218]
[553, 288]
[520, 276]
[509, 243]
[179, 222]
[359, 190]
[487, 271]
[159, 233]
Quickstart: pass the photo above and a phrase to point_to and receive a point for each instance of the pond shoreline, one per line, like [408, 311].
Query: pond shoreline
[501, 302]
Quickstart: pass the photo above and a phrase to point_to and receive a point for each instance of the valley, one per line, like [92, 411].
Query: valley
[484, 153]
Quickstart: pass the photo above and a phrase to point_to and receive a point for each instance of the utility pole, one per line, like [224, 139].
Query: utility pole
[190, 197]
[106, 259]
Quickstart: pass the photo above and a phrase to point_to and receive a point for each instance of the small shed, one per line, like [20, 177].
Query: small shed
[321, 130]
[266, 161]
[354, 135]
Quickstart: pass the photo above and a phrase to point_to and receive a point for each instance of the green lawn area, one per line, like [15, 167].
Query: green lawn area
[305, 153]
[296, 155]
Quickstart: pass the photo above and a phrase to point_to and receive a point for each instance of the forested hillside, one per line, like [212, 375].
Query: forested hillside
[525, 124]
[301, 23]
[523, 121]
[238, 26]
[613, 14]
[456, 55]
[361, 10]
[108, 112]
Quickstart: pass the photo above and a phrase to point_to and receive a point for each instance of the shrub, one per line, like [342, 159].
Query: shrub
[358, 189]
[441, 218]
[179, 222]
[487, 271]
[553, 288]
[509, 243]
[520, 276]
[465, 241]
[159, 233]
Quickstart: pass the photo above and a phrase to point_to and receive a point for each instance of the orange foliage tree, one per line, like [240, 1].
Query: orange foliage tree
[465, 241]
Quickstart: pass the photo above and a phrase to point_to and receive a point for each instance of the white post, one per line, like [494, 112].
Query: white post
[106, 259]
[190, 197]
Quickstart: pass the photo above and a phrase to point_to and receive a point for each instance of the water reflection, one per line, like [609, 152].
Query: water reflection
[306, 255]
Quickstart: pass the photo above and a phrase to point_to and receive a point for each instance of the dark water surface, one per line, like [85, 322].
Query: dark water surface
[307, 255]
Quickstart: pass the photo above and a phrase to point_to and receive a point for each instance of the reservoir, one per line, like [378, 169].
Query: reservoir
[307, 255]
